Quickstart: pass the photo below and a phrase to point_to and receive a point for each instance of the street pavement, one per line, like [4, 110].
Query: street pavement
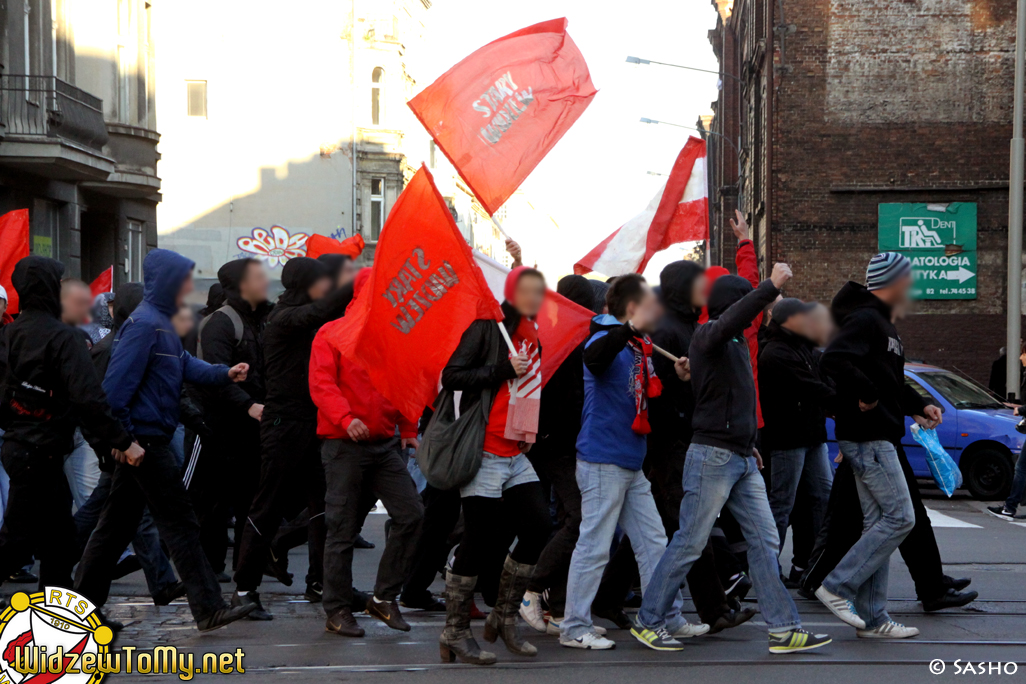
[294, 648]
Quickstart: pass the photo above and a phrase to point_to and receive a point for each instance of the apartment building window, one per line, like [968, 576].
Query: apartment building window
[135, 249]
[377, 207]
[377, 86]
[196, 94]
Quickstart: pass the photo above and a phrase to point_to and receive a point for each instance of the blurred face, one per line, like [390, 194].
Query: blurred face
[183, 321]
[529, 295]
[347, 273]
[319, 288]
[185, 291]
[646, 312]
[821, 325]
[255, 282]
[700, 292]
[897, 295]
[76, 300]
[3, 306]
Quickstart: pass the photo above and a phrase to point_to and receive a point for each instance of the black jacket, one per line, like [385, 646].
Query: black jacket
[127, 297]
[670, 413]
[49, 386]
[793, 391]
[867, 362]
[289, 335]
[481, 359]
[721, 368]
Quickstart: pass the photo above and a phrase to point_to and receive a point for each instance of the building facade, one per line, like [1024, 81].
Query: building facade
[276, 126]
[839, 121]
[78, 130]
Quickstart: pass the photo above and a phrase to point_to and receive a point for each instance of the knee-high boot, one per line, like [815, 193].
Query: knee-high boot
[457, 641]
[502, 621]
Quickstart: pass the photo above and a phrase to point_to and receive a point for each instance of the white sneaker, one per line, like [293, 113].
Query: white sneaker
[888, 630]
[842, 608]
[590, 641]
[553, 627]
[531, 611]
[689, 630]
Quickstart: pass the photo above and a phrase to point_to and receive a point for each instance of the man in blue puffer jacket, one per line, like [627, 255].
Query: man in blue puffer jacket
[143, 386]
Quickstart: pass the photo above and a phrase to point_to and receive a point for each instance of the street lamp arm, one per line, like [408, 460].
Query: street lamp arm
[692, 128]
[639, 60]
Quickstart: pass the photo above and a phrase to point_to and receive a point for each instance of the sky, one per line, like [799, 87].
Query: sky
[597, 176]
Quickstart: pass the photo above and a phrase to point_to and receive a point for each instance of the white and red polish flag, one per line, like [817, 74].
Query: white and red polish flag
[678, 213]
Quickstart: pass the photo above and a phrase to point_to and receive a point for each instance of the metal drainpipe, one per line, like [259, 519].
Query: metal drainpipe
[353, 89]
[768, 130]
[1015, 207]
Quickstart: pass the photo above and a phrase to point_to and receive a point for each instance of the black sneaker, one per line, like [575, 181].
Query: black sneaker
[739, 587]
[794, 578]
[314, 592]
[362, 543]
[796, 641]
[278, 567]
[1001, 512]
[224, 578]
[169, 594]
[950, 599]
[429, 604]
[23, 577]
[614, 615]
[731, 619]
[224, 617]
[957, 583]
[388, 612]
[251, 598]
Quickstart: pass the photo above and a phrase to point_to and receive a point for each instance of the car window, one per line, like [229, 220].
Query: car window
[961, 392]
[928, 398]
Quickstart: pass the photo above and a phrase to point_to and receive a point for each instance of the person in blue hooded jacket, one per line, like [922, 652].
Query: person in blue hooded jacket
[143, 385]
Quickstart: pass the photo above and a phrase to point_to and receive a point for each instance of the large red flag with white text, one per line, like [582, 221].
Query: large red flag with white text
[14, 246]
[678, 213]
[424, 291]
[497, 113]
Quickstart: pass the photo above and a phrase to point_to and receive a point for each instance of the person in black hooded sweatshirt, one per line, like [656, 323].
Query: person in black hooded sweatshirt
[48, 388]
[231, 335]
[289, 449]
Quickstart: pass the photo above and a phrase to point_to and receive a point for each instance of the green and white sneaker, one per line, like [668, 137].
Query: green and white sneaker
[656, 639]
[796, 640]
[888, 630]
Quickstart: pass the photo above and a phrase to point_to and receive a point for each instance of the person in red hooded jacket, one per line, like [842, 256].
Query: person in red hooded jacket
[361, 453]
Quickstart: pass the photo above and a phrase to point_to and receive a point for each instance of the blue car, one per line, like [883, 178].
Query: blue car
[978, 431]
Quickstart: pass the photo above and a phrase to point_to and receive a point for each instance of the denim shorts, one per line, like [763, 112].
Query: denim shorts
[497, 474]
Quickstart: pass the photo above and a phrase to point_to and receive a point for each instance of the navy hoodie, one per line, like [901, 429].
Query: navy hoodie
[148, 363]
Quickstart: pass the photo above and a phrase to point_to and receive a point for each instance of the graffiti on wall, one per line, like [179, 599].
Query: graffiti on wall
[275, 247]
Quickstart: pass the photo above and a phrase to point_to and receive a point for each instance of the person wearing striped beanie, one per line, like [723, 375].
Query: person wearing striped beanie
[888, 269]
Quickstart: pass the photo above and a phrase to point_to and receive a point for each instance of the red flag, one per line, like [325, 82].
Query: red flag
[678, 213]
[14, 246]
[497, 113]
[317, 245]
[103, 283]
[562, 325]
[424, 290]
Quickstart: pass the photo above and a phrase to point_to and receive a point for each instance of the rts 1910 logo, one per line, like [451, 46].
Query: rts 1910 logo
[52, 635]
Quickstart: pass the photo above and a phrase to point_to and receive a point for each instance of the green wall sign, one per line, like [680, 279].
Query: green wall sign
[940, 240]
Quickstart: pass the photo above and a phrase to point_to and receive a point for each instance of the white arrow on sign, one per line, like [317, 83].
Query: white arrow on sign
[961, 275]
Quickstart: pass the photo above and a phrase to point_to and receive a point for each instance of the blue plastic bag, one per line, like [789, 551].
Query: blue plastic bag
[943, 468]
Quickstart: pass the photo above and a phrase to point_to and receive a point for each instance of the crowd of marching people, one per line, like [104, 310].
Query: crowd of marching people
[668, 456]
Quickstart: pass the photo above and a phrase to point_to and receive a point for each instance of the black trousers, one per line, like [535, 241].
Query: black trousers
[38, 518]
[441, 513]
[559, 472]
[225, 473]
[843, 527]
[156, 483]
[290, 471]
[524, 506]
[350, 469]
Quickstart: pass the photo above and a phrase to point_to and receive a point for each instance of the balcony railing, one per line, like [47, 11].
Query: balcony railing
[49, 107]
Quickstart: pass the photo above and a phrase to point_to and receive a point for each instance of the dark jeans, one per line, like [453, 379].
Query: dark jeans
[1018, 485]
[350, 469]
[441, 513]
[146, 543]
[843, 527]
[290, 470]
[38, 517]
[527, 509]
[156, 483]
[559, 471]
[230, 457]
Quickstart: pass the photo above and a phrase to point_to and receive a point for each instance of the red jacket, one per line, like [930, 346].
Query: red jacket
[342, 391]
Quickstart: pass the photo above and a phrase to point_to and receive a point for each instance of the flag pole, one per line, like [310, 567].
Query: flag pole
[501, 229]
[665, 353]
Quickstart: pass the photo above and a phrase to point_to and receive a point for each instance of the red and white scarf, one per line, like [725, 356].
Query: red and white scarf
[525, 391]
[645, 383]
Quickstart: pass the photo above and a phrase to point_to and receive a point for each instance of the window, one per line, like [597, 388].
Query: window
[196, 94]
[377, 85]
[960, 393]
[377, 207]
[44, 228]
[135, 249]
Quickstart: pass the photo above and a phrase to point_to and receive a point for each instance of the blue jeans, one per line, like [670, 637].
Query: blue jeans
[82, 469]
[611, 495]
[805, 467]
[1018, 485]
[714, 478]
[888, 517]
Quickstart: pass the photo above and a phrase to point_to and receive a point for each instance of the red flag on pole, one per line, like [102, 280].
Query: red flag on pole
[317, 245]
[14, 246]
[678, 213]
[562, 325]
[103, 283]
[425, 289]
[497, 113]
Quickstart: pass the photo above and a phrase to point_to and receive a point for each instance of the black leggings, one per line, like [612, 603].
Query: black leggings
[526, 509]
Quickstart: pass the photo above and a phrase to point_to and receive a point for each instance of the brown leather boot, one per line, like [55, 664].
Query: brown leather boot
[344, 624]
[457, 641]
[502, 621]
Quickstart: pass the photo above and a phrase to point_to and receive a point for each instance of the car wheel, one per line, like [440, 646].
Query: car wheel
[988, 474]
